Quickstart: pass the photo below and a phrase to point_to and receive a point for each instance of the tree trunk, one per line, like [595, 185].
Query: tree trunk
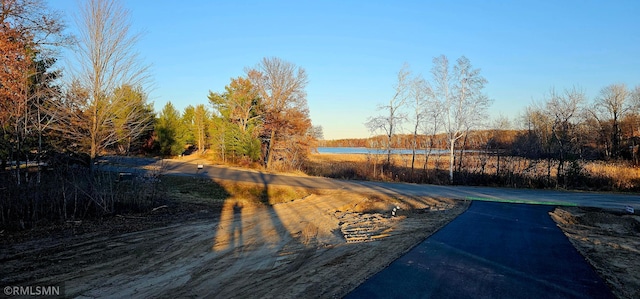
[389, 149]
[464, 143]
[39, 158]
[413, 150]
[451, 159]
[270, 149]
[498, 167]
[16, 156]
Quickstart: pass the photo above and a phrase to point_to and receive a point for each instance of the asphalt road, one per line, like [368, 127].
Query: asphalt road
[493, 250]
[188, 166]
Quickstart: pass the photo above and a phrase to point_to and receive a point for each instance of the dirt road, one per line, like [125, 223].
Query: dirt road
[318, 246]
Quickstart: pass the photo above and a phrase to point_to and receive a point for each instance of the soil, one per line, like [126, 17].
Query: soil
[317, 246]
[610, 241]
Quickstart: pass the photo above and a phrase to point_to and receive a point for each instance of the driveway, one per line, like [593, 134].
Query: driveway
[493, 250]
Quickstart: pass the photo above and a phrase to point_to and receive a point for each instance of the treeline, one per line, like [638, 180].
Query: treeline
[438, 141]
[551, 144]
[564, 126]
[260, 118]
[449, 111]
[55, 126]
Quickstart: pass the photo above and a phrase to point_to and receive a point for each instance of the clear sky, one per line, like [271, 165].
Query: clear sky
[352, 50]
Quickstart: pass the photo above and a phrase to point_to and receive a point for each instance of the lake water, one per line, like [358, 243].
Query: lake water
[374, 151]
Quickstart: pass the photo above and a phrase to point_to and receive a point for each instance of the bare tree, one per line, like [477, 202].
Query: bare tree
[105, 60]
[33, 18]
[420, 94]
[564, 111]
[635, 98]
[610, 107]
[432, 124]
[392, 117]
[317, 132]
[500, 125]
[464, 104]
[281, 86]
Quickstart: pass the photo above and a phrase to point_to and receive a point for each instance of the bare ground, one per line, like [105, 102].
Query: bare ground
[610, 241]
[316, 246]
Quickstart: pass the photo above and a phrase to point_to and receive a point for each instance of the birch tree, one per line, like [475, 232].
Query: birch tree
[431, 123]
[464, 104]
[392, 116]
[420, 93]
[105, 59]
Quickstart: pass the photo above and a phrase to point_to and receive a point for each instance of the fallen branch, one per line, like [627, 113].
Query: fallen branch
[130, 217]
[158, 208]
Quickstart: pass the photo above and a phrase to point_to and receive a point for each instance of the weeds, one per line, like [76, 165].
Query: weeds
[68, 193]
[482, 170]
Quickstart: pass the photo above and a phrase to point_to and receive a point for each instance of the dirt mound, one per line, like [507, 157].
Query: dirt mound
[610, 241]
[619, 224]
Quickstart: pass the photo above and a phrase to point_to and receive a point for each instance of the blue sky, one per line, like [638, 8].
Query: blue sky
[352, 50]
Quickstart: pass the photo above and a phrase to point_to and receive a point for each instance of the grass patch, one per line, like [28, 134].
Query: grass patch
[268, 195]
[209, 191]
[193, 189]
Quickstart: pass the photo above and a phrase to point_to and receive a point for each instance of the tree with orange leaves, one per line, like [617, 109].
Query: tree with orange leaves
[29, 34]
[15, 61]
[286, 124]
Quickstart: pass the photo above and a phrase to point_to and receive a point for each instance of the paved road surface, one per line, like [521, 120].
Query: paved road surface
[592, 199]
[493, 250]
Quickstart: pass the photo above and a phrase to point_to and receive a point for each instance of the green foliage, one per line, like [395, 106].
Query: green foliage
[239, 143]
[201, 122]
[170, 131]
[238, 120]
[134, 120]
[187, 120]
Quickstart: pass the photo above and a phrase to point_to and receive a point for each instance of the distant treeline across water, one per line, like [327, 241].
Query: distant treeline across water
[373, 151]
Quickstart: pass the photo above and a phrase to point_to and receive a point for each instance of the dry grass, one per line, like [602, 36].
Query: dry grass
[269, 194]
[624, 176]
[217, 192]
[480, 169]
[338, 157]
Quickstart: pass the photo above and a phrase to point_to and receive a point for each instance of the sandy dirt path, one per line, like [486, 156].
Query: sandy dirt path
[610, 241]
[318, 246]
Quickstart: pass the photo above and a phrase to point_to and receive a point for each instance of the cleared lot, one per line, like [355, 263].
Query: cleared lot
[320, 245]
[316, 246]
